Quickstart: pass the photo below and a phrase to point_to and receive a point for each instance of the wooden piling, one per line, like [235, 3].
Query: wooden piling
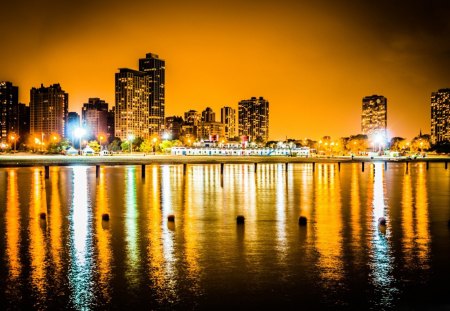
[385, 165]
[221, 168]
[362, 166]
[314, 166]
[143, 170]
[184, 168]
[47, 171]
[428, 165]
[286, 166]
[339, 166]
[97, 171]
[256, 166]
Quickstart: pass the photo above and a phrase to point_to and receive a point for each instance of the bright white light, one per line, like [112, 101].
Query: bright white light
[130, 137]
[79, 132]
[166, 136]
[378, 138]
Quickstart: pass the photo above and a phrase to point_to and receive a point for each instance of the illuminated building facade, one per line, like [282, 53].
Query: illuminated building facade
[9, 101]
[374, 116]
[440, 116]
[73, 122]
[95, 118]
[131, 116]
[253, 119]
[228, 119]
[173, 126]
[48, 111]
[155, 69]
[208, 115]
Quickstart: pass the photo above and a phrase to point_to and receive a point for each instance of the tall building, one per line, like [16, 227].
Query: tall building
[110, 124]
[48, 112]
[95, 118]
[155, 69]
[192, 117]
[9, 101]
[228, 118]
[374, 116]
[23, 116]
[253, 119]
[440, 116]
[73, 122]
[208, 115]
[131, 116]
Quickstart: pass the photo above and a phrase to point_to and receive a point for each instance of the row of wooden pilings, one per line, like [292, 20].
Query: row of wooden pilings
[97, 167]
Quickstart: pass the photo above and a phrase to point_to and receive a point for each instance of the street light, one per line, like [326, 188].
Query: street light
[79, 132]
[13, 138]
[130, 139]
[100, 138]
[154, 143]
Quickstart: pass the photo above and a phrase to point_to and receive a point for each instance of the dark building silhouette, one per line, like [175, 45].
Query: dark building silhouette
[155, 69]
[9, 118]
[23, 122]
[110, 124]
[73, 122]
[440, 116]
[48, 112]
[253, 119]
[173, 126]
[208, 115]
[94, 119]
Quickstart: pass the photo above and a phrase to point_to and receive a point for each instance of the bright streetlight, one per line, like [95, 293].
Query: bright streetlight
[13, 138]
[79, 132]
[154, 144]
[100, 138]
[130, 139]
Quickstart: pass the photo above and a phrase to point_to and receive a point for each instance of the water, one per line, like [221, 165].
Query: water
[341, 260]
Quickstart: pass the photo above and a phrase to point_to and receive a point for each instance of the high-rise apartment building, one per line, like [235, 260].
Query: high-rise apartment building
[253, 119]
[23, 120]
[208, 115]
[155, 69]
[440, 116]
[374, 116]
[48, 112]
[95, 118]
[110, 124]
[131, 116]
[173, 126]
[9, 101]
[228, 118]
[140, 101]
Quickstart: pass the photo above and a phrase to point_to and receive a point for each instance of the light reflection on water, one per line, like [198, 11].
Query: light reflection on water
[138, 259]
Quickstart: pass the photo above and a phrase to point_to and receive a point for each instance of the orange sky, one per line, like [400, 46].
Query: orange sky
[313, 60]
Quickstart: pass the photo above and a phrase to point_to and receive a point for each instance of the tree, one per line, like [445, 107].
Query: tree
[125, 146]
[94, 145]
[115, 144]
[420, 143]
[398, 144]
[357, 143]
[146, 146]
[57, 147]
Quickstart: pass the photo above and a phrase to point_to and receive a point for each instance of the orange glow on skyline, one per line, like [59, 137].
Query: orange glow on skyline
[313, 61]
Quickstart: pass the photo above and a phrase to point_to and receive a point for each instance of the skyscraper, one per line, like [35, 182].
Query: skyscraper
[208, 115]
[173, 126]
[254, 119]
[228, 118]
[95, 118]
[440, 116]
[9, 101]
[155, 69]
[132, 104]
[374, 116]
[48, 111]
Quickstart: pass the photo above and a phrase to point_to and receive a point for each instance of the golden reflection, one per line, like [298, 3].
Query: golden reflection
[422, 218]
[328, 223]
[36, 233]
[103, 237]
[131, 226]
[355, 206]
[55, 223]
[12, 224]
[281, 212]
[407, 219]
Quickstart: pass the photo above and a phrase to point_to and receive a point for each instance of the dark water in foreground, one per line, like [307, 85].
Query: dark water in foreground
[342, 259]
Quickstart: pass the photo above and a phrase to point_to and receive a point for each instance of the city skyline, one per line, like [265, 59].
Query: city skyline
[314, 62]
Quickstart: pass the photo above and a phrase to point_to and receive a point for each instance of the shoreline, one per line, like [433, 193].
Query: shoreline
[26, 160]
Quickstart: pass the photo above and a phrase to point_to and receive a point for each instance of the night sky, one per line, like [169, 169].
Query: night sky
[313, 60]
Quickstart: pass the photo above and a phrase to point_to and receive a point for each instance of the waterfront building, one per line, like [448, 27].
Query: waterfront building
[192, 117]
[131, 116]
[228, 119]
[110, 124]
[374, 116]
[95, 118]
[155, 68]
[23, 120]
[9, 101]
[253, 119]
[440, 116]
[48, 112]
[173, 126]
[73, 122]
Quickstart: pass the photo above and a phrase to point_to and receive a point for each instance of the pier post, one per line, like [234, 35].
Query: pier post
[385, 165]
[97, 171]
[221, 168]
[428, 165]
[286, 166]
[362, 166]
[184, 168]
[314, 166]
[407, 163]
[143, 170]
[47, 171]
[339, 166]
[256, 167]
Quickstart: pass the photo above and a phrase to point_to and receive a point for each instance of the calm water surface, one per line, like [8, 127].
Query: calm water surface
[204, 260]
